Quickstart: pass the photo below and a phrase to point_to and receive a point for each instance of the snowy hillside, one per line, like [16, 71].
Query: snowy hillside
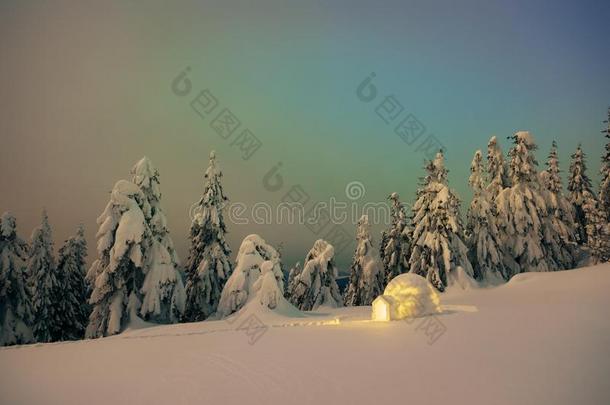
[542, 338]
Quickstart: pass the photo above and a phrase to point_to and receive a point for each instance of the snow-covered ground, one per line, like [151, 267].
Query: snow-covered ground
[543, 338]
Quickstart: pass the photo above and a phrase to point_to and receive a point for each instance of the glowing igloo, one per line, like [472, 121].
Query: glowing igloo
[406, 296]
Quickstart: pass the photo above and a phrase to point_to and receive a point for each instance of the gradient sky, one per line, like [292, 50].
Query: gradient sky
[86, 92]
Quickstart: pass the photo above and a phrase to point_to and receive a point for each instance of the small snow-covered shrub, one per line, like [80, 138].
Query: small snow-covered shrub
[253, 252]
[316, 284]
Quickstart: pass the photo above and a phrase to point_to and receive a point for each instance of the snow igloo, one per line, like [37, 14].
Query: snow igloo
[406, 296]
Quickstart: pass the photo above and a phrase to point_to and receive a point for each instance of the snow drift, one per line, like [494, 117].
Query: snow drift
[521, 347]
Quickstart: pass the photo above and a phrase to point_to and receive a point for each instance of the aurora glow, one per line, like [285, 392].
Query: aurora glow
[86, 94]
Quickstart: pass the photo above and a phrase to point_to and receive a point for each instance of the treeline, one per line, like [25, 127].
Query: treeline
[41, 299]
[519, 220]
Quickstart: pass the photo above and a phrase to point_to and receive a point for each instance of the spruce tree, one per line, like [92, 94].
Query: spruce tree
[439, 253]
[316, 285]
[522, 210]
[15, 305]
[497, 171]
[382, 245]
[117, 273]
[163, 291]
[498, 180]
[46, 284]
[73, 307]
[558, 227]
[597, 231]
[604, 186]
[395, 242]
[483, 237]
[580, 193]
[208, 267]
[292, 274]
[366, 272]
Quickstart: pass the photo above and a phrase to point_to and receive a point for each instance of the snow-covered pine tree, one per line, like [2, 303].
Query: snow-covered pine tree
[253, 252]
[280, 252]
[366, 280]
[46, 284]
[117, 273]
[295, 271]
[497, 171]
[580, 193]
[498, 179]
[15, 306]
[522, 210]
[395, 242]
[483, 238]
[439, 253]
[382, 244]
[73, 307]
[604, 186]
[597, 230]
[316, 285]
[558, 226]
[163, 291]
[208, 267]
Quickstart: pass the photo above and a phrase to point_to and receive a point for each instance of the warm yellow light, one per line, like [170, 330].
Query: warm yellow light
[407, 296]
[381, 309]
[406, 300]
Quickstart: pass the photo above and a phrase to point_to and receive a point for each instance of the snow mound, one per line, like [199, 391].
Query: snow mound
[409, 296]
[462, 280]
